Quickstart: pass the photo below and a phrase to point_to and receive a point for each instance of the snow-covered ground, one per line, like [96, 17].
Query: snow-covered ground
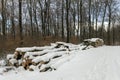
[101, 63]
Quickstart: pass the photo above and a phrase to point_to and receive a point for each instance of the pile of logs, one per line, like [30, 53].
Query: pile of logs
[37, 56]
[94, 42]
[47, 58]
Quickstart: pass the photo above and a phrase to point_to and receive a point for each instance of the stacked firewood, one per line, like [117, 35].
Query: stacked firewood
[15, 59]
[48, 58]
[93, 42]
[37, 56]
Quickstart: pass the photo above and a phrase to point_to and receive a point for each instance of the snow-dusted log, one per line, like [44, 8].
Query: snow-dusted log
[40, 53]
[49, 56]
[3, 63]
[13, 62]
[33, 49]
[10, 56]
[95, 42]
[26, 63]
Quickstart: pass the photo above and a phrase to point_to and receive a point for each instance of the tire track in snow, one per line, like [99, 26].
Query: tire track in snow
[95, 72]
[105, 68]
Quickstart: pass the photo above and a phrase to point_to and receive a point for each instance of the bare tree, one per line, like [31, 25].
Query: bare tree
[12, 20]
[20, 21]
[81, 21]
[103, 18]
[62, 19]
[67, 19]
[89, 20]
[3, 19]
[30, 9]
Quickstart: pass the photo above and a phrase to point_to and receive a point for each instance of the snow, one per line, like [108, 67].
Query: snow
[33, 67]
[2, 70]
[2, 78]
[101, 63]
[25, 49]
[13, 61]
[61, 62]
[19, 62]
[28, 49]
[47, 57]
[93, 39]
[2, 63]
[10, 56]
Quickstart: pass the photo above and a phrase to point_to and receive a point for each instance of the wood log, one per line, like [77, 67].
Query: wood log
[95, 42]
[19, 55]
[46, 69]
[30, 69]
[26, 63]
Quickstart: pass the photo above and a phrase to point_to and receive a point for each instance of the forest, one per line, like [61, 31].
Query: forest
[40, 22]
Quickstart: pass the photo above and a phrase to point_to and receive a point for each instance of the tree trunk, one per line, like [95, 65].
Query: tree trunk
[81, 22]
[78, 26]
[63, 20]
[3, 20]
[20, 22]
[67, 20]
[89, 22]
[109, 26]
[103, 19]
[12, 19]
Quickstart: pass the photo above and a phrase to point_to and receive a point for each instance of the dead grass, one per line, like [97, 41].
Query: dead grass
[10, 44]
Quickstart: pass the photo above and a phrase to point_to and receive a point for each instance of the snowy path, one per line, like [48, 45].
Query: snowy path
[94, 64]
[106, 67]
